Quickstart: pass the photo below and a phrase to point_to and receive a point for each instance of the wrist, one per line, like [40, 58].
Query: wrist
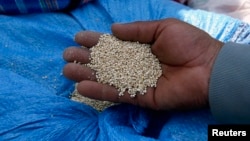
[213, 51]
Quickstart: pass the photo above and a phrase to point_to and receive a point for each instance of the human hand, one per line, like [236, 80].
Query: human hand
[186, 53]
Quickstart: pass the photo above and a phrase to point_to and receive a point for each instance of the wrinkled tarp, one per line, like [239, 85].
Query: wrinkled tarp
[34, 95]
[37, 6]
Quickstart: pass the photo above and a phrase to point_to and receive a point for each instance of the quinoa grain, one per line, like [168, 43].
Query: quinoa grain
[128, 66]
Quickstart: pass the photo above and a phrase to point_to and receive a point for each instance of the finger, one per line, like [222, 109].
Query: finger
[105, 92]
[87, 38]
[77, 54]
[78, 72]
[142, 31]
[97, 90]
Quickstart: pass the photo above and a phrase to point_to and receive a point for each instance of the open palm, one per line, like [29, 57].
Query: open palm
[186, 54]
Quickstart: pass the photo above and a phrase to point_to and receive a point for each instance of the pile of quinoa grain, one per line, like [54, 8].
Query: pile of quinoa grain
[128, 66]
[96, 104]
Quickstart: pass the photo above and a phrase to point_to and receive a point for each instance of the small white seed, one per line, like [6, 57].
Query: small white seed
[128, 66]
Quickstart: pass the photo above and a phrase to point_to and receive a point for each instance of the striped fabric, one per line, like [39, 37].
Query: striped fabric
[35, 6]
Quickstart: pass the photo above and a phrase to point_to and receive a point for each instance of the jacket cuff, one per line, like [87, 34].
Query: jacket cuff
[229, 88]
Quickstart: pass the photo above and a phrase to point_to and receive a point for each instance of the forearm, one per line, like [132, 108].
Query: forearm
[229, 90]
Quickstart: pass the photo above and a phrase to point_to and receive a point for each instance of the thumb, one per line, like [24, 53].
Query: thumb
[142, 31]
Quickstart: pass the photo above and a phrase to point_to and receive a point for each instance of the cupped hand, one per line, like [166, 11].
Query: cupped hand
[186, 53]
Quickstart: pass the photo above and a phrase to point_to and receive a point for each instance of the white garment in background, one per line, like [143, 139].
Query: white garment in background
[239, 9]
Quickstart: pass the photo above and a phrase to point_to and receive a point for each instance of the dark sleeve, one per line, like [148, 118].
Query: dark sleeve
[229, 88]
